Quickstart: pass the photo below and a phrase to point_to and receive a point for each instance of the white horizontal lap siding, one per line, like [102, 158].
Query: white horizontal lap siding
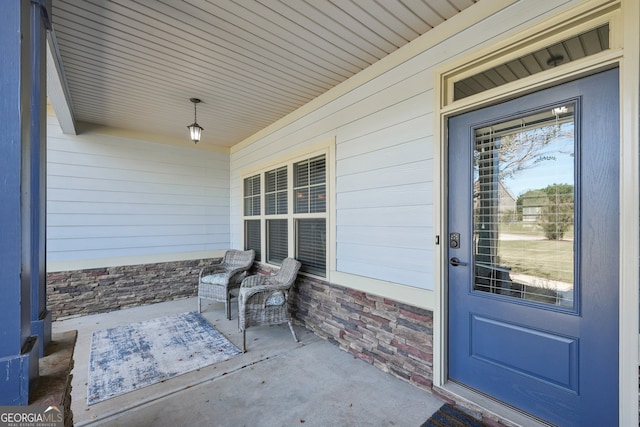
[394, 273]
[236, 210]
[334, 117]
[110, 196]
[384, 197]
[383, 167]
[384, 161]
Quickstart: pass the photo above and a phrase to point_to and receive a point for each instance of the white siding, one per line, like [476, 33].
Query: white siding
[109, 196]
[384, 187]
[384, 205]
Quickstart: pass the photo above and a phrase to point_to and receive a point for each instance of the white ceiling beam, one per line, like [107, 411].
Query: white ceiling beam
[57, 89]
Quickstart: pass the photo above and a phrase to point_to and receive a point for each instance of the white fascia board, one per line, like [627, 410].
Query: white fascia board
[57, 89]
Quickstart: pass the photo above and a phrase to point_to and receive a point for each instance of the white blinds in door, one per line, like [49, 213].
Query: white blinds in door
[524, 204]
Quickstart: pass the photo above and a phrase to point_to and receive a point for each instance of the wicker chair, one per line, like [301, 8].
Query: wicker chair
[218, 280]
[263, 299]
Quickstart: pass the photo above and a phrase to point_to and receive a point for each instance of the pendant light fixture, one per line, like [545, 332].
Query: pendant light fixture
[195, 130]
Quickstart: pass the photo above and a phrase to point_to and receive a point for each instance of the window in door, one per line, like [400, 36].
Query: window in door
[524, 204]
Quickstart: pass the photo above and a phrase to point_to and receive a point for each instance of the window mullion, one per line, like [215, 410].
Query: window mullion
[290, 196]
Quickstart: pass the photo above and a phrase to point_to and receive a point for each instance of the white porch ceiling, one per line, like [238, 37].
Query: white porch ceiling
[133, 65]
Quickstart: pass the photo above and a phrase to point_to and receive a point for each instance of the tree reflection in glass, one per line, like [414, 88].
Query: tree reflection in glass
[523, 203]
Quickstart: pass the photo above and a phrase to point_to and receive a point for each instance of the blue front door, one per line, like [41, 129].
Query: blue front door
[533, 251]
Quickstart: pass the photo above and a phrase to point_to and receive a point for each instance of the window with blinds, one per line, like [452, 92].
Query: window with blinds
[309, 185]
[277, 240]
[275, 191]
[290, 197]
[311, 245]
[524, 207]
[252, 196]
[252, 237]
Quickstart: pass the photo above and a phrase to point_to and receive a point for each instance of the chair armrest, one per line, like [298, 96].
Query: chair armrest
[246, 293]
[259, 292]
[211, 269]
[255, 280]
[235, 270]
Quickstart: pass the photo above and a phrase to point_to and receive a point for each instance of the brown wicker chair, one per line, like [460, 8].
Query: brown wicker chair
[216, 281]
[264, 299]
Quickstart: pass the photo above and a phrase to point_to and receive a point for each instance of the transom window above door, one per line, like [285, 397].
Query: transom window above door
[571, 49]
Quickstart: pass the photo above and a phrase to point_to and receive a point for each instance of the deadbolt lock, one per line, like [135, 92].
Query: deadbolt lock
[454, 240]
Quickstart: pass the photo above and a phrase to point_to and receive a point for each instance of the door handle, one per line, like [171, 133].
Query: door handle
[456, 262]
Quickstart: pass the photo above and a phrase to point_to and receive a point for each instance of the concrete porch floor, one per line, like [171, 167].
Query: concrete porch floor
[277, 382]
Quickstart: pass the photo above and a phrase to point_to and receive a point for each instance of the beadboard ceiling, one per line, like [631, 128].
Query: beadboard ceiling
[134, 64]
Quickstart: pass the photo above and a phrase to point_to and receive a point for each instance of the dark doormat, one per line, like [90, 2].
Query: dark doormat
[448, 415]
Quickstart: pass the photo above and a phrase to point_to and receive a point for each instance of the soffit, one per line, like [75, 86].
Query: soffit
[133, 65]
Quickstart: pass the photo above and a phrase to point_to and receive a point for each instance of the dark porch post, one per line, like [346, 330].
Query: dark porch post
[18, 221]
[40, 316]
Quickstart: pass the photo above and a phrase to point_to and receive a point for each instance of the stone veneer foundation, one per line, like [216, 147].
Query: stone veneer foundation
[395, 337]
[100, 290]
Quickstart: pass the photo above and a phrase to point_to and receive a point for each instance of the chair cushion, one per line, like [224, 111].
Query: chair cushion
[276, 298]
[215, 279]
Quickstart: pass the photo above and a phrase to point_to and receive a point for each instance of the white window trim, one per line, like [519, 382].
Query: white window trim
[327, 149]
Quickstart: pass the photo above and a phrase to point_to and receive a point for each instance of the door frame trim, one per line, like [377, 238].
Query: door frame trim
[624, 53]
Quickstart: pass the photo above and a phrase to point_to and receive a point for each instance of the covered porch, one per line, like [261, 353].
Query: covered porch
[325, 139]
[276, 382]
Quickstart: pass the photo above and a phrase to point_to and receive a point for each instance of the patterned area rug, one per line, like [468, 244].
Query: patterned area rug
[139, 354]
[448, 415]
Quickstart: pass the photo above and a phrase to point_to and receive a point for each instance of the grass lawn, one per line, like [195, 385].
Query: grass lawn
[551, 259]
[528, 228]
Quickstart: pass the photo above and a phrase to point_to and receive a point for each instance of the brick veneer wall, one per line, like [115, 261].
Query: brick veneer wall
[99, 290]
[395, 337]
